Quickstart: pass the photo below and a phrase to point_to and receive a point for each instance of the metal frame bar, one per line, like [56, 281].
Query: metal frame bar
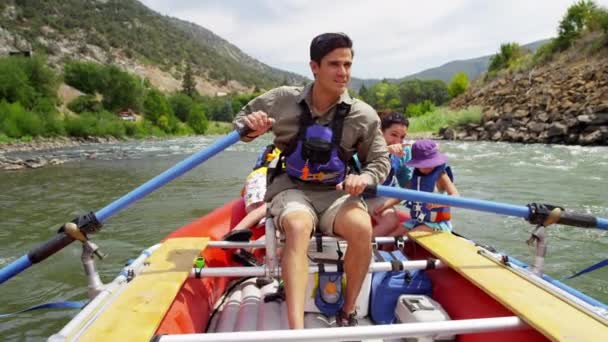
[93, 309]
[465, 326]
[388, 240]
[263, 271]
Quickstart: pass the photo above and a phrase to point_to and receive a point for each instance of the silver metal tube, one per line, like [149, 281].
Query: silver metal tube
[388, 240]
[262, 271]
[93, 308]
[272, 260]
[465, 326]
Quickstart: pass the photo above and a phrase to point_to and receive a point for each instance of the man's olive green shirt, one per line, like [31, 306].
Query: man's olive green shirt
[361, 132]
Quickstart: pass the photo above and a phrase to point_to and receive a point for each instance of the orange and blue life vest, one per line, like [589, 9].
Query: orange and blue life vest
[427, 183]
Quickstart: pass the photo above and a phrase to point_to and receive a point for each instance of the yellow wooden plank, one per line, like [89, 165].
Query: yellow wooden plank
[549, 314]
[136, 314]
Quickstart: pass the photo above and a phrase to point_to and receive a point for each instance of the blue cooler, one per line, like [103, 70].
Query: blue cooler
[388, 286]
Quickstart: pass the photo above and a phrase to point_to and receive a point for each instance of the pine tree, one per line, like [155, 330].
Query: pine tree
[189, 83]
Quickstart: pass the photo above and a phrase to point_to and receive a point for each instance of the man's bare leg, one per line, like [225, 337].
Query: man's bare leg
[298, 226]
[354, 224]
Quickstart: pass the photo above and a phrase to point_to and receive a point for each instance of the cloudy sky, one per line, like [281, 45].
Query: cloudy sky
[392, 38]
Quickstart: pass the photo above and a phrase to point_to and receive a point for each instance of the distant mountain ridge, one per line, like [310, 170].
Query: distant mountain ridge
[473, 67]
[129, 34]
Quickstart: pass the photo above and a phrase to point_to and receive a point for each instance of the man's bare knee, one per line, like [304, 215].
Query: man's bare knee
[353, 223]
[297, 224]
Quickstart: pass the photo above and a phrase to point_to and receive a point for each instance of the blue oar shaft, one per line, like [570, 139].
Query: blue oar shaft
[167, 176]
[61, 240]
[567, 217]
[14, 268]
[460, 202]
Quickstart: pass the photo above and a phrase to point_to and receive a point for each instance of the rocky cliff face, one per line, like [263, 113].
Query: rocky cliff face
[563, 102]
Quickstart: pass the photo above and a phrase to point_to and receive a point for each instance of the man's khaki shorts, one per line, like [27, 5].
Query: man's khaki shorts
[322, 206]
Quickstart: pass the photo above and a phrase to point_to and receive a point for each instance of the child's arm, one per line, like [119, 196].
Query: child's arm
[444, 184]
[387, 204]
[252, 218]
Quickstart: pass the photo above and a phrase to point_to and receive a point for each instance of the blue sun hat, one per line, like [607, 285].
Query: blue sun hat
[425, 153]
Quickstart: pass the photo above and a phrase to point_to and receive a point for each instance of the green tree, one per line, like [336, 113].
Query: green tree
[198, 120]
[181, 105]
[508, 55]
[363, 92]
[189, 83]
[27, 81]
[573, 23]
[14, 85]
[85, 103]
[85, 76]
[458, 85]
[157, 106]
[122, 91]
[418, 109]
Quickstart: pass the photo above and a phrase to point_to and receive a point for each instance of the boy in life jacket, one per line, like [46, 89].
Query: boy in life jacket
[431, 174]
[394, 129]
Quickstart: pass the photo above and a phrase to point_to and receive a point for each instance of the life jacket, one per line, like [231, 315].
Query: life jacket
[427, 183]
[390, 178]
[314, 156]
[268, 154]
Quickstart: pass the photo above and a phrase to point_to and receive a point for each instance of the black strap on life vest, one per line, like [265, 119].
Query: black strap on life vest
[337, 123]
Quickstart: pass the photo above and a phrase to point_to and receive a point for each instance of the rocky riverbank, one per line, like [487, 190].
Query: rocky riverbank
[564, 102]
[43, 148]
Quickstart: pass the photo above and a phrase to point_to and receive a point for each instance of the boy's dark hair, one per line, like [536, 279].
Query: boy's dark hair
[388, 118]
[325, 43]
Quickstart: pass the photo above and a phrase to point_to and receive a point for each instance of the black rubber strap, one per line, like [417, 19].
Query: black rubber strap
[319, 241]
[397, 265]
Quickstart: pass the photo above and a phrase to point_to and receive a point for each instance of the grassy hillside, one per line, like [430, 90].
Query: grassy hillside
[127, 29]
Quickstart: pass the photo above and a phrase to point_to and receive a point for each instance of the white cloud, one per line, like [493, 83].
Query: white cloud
[392, 38]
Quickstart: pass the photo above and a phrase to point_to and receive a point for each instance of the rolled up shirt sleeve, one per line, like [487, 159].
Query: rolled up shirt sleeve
[264, 103]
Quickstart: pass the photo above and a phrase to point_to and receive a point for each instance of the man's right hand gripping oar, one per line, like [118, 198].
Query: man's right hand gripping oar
[258, 122]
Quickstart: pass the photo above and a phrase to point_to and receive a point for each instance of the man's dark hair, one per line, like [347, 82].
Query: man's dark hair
[388, 118]
[325, 43]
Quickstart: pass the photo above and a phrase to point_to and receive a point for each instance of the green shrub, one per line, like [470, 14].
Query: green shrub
[155, 106]
[443, 117]
[419, 109]
[198, 120]
[122, 90]
[16, 121]
[85, 103]
[14, 83]
[458, 85]
[576, 19]
[87, 77]
[507, 57]
[96, 124]
[181, 105]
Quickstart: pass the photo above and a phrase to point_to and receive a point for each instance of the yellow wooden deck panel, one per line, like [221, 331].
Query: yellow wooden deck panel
[550, 315]
[138, 311]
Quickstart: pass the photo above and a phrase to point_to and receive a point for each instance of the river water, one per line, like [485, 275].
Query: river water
[34, 203]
